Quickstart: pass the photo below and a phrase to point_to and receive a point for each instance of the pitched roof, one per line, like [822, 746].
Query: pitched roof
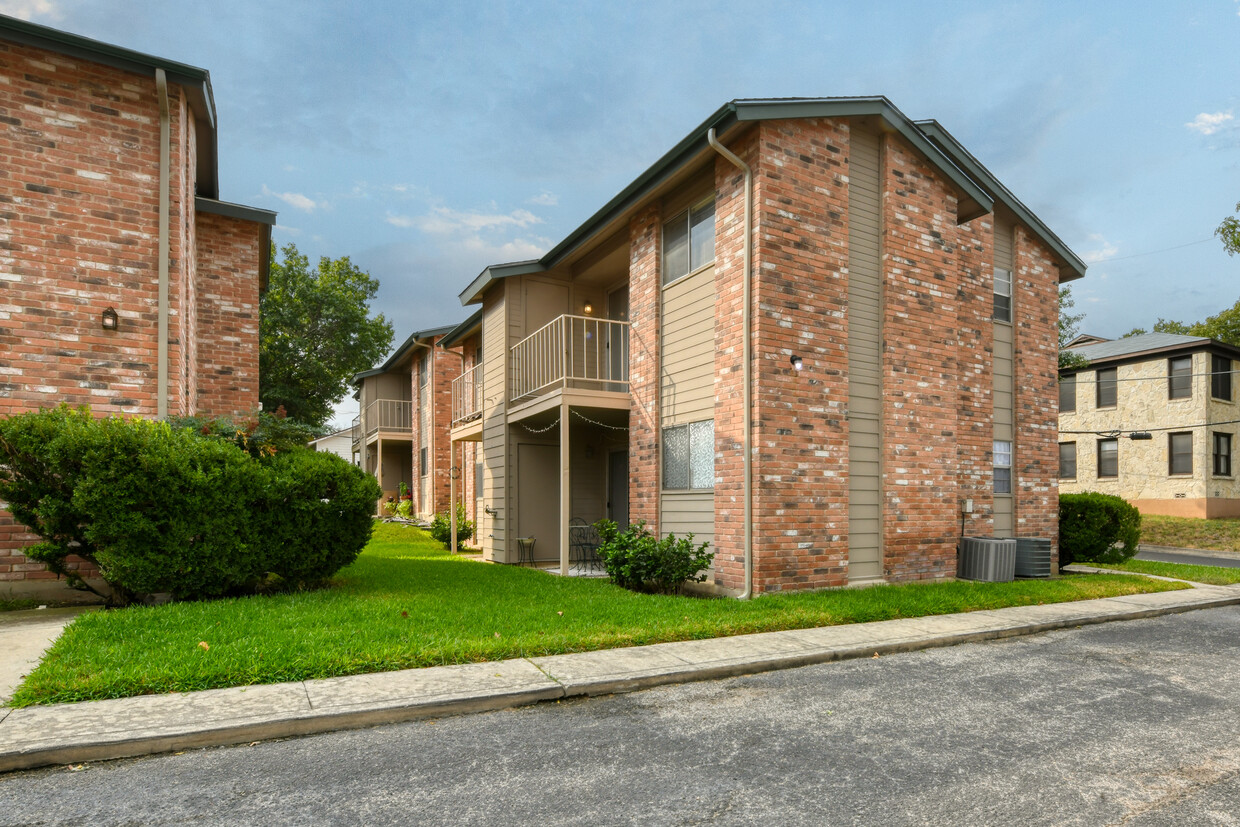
[976, 187]
[1149, 344]
[417, 337]
[195, 81]
[974, 200]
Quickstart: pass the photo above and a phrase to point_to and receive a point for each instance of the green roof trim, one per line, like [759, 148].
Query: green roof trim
[465, 328]
[965, 160]
[975, 201]
[415, 338]
[195, 81]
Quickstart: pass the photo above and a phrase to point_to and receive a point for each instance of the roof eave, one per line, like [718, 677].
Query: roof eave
[463, 330]
[964, 159]
[194, 80]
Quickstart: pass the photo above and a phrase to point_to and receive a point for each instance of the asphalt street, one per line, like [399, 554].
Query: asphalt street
[1186, 557]
[1131, 723]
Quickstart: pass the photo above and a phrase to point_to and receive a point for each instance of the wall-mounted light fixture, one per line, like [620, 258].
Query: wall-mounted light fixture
[110, 320]
[797, 362]
[588, 309]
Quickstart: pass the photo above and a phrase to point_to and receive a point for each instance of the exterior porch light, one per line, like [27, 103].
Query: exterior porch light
[110, 320]
[588, 309]
[796, 362]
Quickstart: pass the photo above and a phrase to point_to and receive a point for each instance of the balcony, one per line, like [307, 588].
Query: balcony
[580, 357]
[383, 416]
[467, 405]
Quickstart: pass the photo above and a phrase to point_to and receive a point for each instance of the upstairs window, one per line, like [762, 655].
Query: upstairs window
[1003, 467]
[1180, 453]
[1107, 381]
[1067, 393]
[422, 371]
[1180, 377]
[1108, 458]
[689, 241]
[1220, 378]
[1003, 295]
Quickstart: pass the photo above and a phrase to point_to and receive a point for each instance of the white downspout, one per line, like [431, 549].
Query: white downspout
[747, 396]
[165, 163]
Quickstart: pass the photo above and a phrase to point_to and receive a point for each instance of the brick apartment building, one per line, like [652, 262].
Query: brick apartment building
[400, 434]
[127, 284]
[816, 333]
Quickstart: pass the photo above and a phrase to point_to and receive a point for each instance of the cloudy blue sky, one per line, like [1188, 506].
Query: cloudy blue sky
[427, 140]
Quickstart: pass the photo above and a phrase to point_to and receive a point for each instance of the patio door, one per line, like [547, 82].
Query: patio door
[618, 487]
[618, 340]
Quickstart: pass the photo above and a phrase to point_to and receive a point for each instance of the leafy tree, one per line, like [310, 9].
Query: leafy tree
[1136, 331]
[1229, 233]
[315, 334]
[1069, 324]
[1223, 326]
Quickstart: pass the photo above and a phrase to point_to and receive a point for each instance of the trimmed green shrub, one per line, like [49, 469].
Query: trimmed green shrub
[637, 560]
[163, 509]
[320, 512]
[1097, 528]
[441, 529]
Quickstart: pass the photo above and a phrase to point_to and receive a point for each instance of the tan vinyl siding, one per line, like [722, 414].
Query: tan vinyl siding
[865, 554]
[688, 389]
[495, 331]
[688, 349]
[1004, 384]
[689, 512]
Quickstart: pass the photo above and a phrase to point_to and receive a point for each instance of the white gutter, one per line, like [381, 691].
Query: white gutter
[747, 356]
[165, 139]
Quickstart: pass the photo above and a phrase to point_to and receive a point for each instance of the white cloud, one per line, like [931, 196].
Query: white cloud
[30, 9]
[447, 221]
[1104, 251]
[296, 200]
[545, 199]
[1208, 123]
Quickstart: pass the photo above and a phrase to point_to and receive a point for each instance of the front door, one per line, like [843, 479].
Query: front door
[618, 488]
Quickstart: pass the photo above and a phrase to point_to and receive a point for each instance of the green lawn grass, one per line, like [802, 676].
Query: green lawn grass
[408, 603]
[1214, 575]
[1190, 532]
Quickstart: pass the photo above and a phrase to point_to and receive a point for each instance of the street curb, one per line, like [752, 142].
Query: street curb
[675, 669]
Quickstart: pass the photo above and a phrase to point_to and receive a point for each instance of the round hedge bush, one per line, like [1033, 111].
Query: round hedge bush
[1097, 528]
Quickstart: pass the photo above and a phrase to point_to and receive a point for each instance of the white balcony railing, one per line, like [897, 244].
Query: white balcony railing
[467, 396]
[386, 415]
[572, 352]
[357, 431]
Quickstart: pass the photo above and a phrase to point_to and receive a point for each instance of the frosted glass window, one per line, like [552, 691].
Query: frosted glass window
[676, 457]
[689, 456]
[702, 454]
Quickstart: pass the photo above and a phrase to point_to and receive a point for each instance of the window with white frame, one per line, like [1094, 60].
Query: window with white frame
[689, 456]
[1003, 466]
[1003, 295]
[689, 240]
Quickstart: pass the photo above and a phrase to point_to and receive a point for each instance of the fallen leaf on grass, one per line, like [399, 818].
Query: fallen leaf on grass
[202, 644]
[497, 634]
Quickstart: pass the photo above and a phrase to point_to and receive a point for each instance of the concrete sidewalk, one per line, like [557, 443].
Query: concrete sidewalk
[24, 637]
[98, 730]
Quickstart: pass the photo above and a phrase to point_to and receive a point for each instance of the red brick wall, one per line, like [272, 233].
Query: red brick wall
[644, 308]
[921, 340]
[79, 232]
[229, 251]
[446, 367]
[1035, 305]
[975, 358]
